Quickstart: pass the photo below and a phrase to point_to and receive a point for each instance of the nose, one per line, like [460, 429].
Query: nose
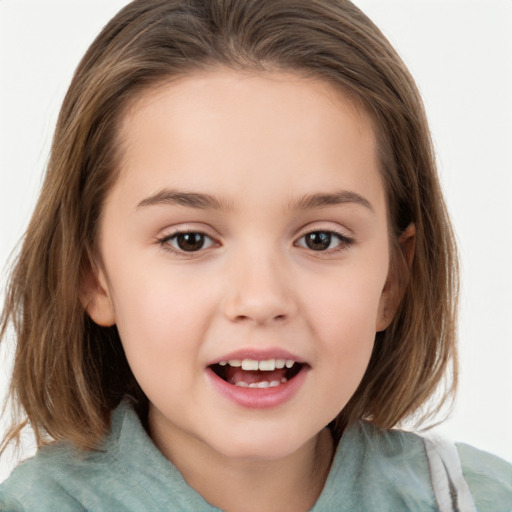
[259, 290]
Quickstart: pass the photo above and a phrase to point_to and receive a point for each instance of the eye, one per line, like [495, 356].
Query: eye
[187, 241]
[323, 241]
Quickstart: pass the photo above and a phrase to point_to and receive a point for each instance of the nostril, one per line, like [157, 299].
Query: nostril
[247, 318]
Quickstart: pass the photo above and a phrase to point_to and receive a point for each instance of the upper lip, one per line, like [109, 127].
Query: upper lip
[258, 355]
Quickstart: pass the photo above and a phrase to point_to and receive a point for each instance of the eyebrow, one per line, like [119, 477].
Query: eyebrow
[321, 200]
[207, 201]
[188, 199]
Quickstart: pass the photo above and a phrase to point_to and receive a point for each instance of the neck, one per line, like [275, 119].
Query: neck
[293, 483]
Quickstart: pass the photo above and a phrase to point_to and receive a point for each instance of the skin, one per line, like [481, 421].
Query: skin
[258, 144]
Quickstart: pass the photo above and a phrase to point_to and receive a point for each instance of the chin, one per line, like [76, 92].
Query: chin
[262, 445]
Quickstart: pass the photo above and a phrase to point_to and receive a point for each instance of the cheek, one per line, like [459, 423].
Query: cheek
[159, 326]
[159, 343]
[158, 300]
[343, 317]
[348, 335]
[345, 337]
[346, 306]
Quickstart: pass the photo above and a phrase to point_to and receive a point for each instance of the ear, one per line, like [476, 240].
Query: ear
[95, 296]
[393, 291]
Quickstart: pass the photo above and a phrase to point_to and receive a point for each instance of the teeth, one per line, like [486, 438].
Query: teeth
[262, 384]
[249, 364]
[267, 365]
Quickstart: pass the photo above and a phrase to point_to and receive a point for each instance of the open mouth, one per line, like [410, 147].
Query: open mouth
[250, 373]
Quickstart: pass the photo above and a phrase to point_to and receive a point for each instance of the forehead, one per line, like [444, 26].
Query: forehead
[219, 91]
[277, 84]
[213, 129]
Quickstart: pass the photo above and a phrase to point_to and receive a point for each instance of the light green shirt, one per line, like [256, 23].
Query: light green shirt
[372, 470]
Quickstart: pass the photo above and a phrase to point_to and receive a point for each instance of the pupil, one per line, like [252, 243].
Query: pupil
[190, 241]
[318, 241]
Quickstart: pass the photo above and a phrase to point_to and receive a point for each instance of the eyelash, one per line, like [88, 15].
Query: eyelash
[343, 244]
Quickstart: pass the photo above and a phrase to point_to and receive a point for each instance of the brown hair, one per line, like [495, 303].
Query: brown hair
[69, 373]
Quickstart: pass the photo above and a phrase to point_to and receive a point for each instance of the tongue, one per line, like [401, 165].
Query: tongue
[234, 375]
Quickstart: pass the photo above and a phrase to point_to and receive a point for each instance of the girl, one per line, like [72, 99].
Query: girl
[230, 292]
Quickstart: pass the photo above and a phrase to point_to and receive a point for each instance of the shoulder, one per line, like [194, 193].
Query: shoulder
[389, 470]
[489, 479]
[126, 473]
[376, 469]
[59, 477]
[39, 483]
[62, 477]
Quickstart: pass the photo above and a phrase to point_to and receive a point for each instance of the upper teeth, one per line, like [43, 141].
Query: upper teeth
[267, 365]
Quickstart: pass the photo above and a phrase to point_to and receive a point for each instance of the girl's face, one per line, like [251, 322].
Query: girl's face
[247, 227]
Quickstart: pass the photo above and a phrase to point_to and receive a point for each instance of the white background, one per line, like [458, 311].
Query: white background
[460, 52]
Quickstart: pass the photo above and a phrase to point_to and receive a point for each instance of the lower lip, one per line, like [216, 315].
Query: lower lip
[258, 398]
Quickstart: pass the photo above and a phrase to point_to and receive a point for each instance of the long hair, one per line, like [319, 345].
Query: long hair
[69, 373]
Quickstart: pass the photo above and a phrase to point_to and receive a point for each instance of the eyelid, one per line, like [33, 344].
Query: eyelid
[188, 227]
[327, 227]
